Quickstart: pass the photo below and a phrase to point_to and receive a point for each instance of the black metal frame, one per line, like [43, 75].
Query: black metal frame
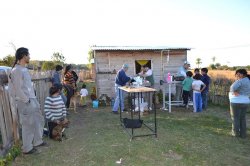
[132, 96]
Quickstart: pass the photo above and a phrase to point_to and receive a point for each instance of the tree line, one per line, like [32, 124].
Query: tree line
[217, 66]
[56, 59]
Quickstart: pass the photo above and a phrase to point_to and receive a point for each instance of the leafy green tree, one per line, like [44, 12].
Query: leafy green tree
[36, 64]
[48, 65]
[90, 55]
[217, 65]
[8, 60]
[248, 67]
[212, 66]
[58, 58]
[198, 62]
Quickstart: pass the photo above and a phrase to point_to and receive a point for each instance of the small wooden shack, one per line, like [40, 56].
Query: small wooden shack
[109, 59]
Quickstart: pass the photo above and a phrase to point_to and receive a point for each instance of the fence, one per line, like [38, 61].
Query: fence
[219, 89]
[9, 123]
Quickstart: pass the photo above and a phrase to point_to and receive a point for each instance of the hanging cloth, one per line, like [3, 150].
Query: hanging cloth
[142, 62]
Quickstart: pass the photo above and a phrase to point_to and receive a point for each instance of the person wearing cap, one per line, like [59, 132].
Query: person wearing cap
[181, 72]
[183, 69]
[31, 118]
[120, 80]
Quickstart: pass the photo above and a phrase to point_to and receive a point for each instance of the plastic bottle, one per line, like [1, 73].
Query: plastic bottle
[169, 77]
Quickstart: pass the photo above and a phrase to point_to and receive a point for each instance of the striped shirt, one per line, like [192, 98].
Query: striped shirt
[54, 108]
[69, 79]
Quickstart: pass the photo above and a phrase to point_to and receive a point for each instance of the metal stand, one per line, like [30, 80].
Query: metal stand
[171, 102]
[138, 93]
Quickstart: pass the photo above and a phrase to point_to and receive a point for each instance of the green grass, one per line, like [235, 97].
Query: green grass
[184, 138]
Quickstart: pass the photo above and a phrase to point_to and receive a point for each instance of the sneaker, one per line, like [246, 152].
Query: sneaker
[115, 112]
[32, 151]
[187, 106]
[44, 144]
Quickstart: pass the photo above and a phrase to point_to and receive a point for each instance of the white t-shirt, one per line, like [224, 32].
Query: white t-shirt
[196, 85]
[84, 92]
[147, 73]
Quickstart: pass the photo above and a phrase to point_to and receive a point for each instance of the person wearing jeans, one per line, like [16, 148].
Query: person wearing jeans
[120, 80]
[198, 86]
[204, 94]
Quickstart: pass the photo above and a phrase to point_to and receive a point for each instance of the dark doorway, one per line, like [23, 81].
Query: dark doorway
[140, 63]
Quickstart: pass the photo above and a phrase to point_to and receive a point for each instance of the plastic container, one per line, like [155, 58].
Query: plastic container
[169, 79]
[95, 104]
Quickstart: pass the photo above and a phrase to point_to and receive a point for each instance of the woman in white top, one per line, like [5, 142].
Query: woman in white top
[239, 103]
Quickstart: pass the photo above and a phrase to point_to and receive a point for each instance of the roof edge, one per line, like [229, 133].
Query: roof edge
[118, 48]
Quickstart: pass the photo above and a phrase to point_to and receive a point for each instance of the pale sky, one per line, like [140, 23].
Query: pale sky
[219, 28]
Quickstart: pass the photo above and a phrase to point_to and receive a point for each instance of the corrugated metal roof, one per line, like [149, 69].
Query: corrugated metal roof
[133, 48]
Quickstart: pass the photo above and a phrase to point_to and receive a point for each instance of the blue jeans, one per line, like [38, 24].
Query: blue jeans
[117, 98]
[197, 101]
[204, 100]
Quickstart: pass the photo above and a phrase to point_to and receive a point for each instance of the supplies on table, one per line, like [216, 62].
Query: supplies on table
[140, 105]
[138, 81]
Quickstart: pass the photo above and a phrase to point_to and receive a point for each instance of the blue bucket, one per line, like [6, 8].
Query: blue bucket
[95, 104]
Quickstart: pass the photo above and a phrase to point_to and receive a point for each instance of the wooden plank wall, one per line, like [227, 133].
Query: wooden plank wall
[109, 61]
[9, 114]
[6, 125]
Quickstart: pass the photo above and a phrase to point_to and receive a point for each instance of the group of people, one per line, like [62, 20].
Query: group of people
[196, 89]
[239, 96]
[32, 119]
[122, 79]
[56, 104]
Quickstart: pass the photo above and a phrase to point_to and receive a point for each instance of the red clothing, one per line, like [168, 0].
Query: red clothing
[69, 79]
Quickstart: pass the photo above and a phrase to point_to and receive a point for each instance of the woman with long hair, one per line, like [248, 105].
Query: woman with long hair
[239, 102]
[69, 83]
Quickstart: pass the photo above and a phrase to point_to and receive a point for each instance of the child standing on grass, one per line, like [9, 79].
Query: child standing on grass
[198, 86]
[187, 87]
[84, 93]
[54, 108]
[204, 94]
